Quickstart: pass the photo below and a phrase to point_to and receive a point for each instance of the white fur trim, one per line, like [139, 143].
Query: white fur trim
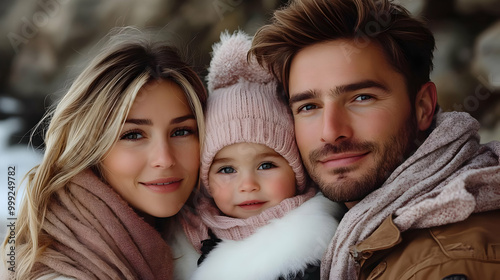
[284, 246]
[185, 256]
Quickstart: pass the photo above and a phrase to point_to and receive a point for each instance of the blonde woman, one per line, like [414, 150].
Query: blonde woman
[121, 159]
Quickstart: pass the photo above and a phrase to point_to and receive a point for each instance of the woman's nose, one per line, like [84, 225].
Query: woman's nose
[161, 156]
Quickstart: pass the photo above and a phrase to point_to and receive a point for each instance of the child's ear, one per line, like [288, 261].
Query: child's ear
[425, 104]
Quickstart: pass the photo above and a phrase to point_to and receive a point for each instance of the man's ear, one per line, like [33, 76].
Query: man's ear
[425, 104]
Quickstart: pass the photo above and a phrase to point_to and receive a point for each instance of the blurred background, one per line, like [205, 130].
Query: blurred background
[44, 43]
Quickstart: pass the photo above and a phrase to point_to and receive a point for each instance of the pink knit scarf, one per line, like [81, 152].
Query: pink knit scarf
[206, 216]
[96, 235]
[449, 177]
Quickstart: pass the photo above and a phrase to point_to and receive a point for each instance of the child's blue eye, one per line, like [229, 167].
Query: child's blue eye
[226, 170]
[266, 165]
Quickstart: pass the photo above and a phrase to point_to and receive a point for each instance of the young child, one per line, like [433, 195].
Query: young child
[257, 215]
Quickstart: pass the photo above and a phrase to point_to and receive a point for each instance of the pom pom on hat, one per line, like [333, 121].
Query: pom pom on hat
[229, 62]
[243, 106]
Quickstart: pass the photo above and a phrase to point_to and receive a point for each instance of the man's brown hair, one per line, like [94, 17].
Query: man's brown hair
[406, 42]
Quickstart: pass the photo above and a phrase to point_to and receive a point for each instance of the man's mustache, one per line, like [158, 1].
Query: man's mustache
[342, 147]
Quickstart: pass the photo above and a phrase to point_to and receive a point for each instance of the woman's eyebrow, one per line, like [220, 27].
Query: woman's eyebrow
[140, 121]
[182, 118]
[150, 122]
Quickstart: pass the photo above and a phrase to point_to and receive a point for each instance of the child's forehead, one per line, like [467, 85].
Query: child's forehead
[245, 150]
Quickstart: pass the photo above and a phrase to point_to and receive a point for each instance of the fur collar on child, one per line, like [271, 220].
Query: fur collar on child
[206, 216]
[284, 246]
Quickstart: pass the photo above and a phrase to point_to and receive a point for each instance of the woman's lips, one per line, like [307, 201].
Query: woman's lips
[164, 185]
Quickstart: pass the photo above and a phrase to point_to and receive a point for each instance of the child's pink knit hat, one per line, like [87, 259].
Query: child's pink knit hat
[243, 106]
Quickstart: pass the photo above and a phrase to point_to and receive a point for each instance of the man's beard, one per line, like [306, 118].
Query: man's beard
[388, 157]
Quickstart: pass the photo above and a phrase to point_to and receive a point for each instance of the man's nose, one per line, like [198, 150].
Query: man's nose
[335, 123]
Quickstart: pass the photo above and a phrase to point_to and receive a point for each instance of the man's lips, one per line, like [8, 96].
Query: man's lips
[163, 185]
[342, 160]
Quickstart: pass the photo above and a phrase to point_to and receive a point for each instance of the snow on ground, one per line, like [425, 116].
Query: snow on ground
[20, 157]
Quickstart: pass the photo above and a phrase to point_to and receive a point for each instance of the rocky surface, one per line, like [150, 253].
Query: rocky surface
[44, 42]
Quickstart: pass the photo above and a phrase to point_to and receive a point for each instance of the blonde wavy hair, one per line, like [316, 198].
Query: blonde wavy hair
[87, 121]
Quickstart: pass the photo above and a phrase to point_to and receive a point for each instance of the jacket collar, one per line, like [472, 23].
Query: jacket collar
[387, 235]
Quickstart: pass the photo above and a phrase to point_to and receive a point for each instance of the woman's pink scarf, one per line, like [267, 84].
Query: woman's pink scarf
[449, 177]
[96, 235]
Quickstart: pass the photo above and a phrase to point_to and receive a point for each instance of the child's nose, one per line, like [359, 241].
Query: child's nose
[249, 184]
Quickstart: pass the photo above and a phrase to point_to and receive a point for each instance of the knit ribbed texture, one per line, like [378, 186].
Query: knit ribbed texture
[448, 178]
[236, 229]
[243, 106]
[95, 234]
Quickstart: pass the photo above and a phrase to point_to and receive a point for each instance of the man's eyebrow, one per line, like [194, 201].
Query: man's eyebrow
[309, 94]
[302, 96]
[357, 86]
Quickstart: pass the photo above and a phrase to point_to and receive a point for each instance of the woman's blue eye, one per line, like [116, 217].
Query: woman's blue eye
[266, 165]
[132, 136]
[226, 170]
[182, 132]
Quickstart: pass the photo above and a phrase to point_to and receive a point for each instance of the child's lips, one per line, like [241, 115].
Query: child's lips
[251, 204]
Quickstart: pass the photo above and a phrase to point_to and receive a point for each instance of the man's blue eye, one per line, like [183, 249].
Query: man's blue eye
[363, 97]
[308, 107]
